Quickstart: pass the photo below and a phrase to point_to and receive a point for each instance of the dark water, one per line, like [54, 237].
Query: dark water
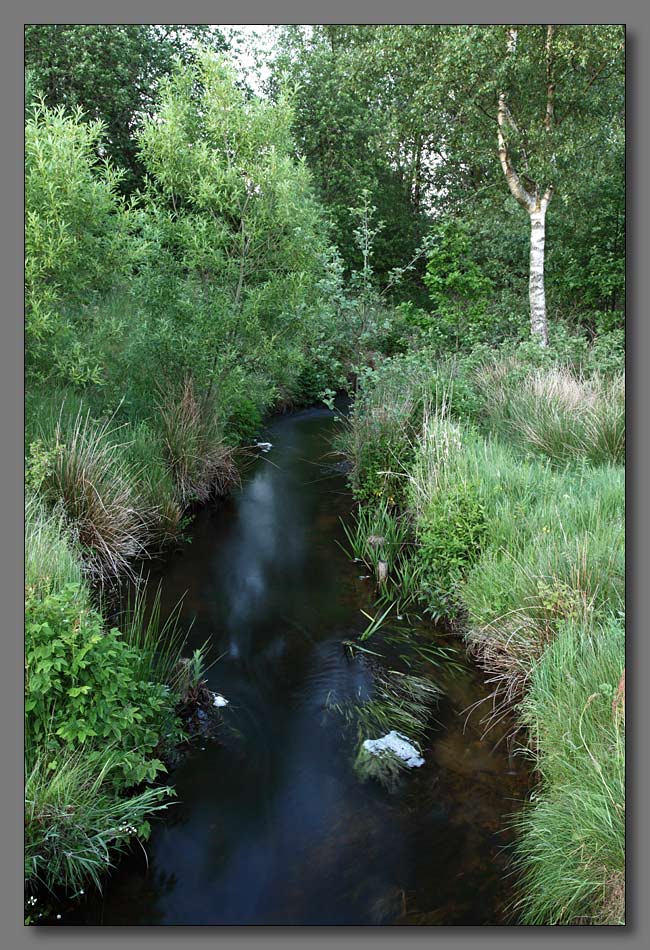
[272, 826]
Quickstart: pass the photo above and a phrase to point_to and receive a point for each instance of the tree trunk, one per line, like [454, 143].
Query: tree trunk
[536, 294]
[536, 209]
[529, 198]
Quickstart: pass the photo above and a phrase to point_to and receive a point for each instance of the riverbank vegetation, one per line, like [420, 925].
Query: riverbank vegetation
[200, 252]
[515, 535]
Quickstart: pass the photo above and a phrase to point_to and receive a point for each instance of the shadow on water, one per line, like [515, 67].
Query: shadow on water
[272, 825]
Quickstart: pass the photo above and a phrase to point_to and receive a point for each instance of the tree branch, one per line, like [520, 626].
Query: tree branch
[550, 85]
[518, 191]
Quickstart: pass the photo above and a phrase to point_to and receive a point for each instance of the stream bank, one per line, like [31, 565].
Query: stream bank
[272, 824]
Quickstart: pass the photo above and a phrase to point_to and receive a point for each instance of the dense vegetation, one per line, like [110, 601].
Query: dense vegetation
[199, 254]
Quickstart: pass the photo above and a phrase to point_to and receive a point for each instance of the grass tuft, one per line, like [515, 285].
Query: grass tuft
[94, 485]
[199, 460]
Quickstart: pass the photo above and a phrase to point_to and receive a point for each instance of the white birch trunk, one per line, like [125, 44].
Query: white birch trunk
[529, 199]
[536, 209]
[536, 294]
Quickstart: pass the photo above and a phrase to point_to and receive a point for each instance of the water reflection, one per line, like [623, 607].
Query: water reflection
[272, 825]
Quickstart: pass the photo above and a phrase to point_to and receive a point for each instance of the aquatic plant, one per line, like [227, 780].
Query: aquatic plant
[399, 702]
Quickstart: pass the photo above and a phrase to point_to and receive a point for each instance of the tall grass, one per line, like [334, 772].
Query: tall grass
[74, 823]
[564, 559]
[159, 644]
[145, 453]
[198, 458]
[524, 519]
[51, 560]
[379, 534]
[555, 413]
[95, 486]
[571, 847]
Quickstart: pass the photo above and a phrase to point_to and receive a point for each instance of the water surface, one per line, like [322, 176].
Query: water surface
[272, 826]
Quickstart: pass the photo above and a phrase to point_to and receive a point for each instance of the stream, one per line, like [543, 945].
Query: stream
[271, 824]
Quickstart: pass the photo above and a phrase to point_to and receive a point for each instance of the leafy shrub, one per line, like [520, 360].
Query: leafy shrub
[82, 687]
[75, 229]
[244, 419]
[607, 352]
[450, 536]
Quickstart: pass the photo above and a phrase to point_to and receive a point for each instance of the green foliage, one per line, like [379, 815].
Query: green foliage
[82, 685]
[75, 229]
[112, 72]
[144, 454]
[351, 113]
[196, 456]
[178, 318]
[571, 847]
[556, 413]
[450, 536]
[379, 534]
[458, 289]
[378, 436]
[531, 555]
[90, 478]
[51, 560]
[75, 824]
[156, 645]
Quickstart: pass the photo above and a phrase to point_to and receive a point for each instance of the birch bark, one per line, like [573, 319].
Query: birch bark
[530, 200]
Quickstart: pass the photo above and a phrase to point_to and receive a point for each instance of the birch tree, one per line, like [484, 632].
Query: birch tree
[530, 195]
[551, 98]
[541, 105]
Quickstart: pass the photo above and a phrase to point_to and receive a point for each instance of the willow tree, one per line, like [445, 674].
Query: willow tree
[235, 232]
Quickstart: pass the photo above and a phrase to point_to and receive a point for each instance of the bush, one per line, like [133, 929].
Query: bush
[75, 227]
[450, 535]
[571, 847]
[82, 688]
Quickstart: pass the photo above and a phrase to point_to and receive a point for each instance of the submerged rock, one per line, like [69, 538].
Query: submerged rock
[399, 745]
